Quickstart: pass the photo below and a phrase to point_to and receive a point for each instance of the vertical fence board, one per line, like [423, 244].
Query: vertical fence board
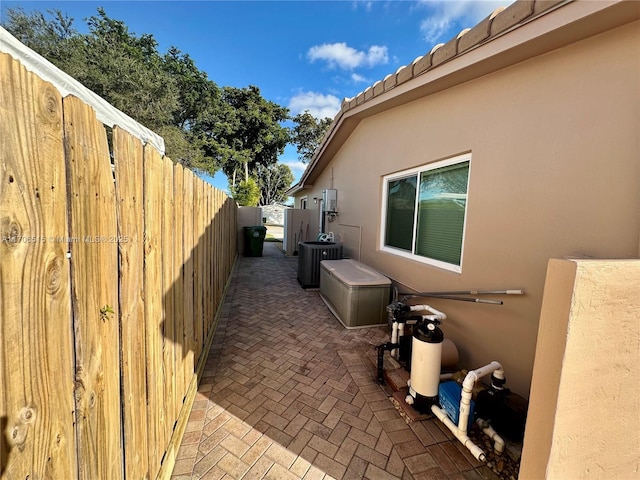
[221, 264]
[211, 253]
[197, 268]
[232, 240]
[230, 236]
[178, 290]
[153, 215]
[204, 247]
[216, 246]
[128, 156]
[168, 244]
[187, 260]
[94, 273]
[197, 271]
[37, 438]
[110, 337]
[205, 265]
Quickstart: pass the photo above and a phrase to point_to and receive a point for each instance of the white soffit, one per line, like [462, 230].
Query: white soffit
[67, 85]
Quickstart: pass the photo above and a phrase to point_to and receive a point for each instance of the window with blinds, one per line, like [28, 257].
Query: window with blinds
[424, 212]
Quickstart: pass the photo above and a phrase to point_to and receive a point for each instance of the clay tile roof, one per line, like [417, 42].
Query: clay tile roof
[501, 20]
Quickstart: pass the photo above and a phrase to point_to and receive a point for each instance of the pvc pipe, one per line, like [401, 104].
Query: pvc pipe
[460, 431]
[473, 376]
[460, 435]
[418, 308]
[395, 353]
[498, 442]
[394, 338]
[467, 388]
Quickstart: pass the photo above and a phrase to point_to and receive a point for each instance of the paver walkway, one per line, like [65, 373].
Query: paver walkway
[287, 394]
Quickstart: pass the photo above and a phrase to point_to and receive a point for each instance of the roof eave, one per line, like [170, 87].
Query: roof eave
[511, 38]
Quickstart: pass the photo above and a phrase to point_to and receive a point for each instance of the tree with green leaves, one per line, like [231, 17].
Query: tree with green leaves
[246, 193]
[274, 180]
[308, 133]
[205, 127]
[198, 100]
[249, 131]
[53, 39]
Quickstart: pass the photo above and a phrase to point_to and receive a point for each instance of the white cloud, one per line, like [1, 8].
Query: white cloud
[367, 5]
[343, 56]
[358, 78]
[318, 104]
[445, 14]
[295, 166]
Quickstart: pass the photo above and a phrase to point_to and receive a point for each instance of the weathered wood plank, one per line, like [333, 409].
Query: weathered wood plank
[37, 437]
[153, 258]
[198, 316]
[128, 156]
[178, 289]
[169, 279]
[94, 273]
[227, 240]
[187, 260]
[209, 257]
[220, 266]
[178, 433]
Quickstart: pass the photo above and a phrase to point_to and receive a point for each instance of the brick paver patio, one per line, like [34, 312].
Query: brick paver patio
[288, 394]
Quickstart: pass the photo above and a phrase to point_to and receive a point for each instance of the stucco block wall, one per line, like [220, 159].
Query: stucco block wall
[297, 228]
[583, 420]
[555, 172]
[247, 217]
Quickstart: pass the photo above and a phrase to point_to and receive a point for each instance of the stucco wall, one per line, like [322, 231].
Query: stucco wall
[554, 173]
[247, 217]
[583, 420]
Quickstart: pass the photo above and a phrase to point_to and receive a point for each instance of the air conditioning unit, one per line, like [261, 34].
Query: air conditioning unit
[310, 254]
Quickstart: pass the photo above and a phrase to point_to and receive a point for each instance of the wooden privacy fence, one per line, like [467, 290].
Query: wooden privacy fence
[113, 263]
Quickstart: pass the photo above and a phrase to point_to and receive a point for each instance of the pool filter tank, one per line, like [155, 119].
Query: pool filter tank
[426, 359]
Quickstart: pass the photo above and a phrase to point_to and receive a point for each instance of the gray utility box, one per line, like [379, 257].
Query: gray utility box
[356, 294]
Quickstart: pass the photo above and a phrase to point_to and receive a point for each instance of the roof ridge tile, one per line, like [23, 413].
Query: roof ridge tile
[499, 21]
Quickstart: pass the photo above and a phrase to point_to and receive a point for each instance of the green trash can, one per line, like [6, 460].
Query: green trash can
[254, 240]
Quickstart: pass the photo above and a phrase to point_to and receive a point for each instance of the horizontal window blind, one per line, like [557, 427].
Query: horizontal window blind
[401, 201]
[441, 212]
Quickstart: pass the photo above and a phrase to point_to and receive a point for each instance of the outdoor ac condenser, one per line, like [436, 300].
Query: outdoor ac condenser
[310, 254]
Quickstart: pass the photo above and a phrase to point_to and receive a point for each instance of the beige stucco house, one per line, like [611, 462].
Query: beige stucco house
[512, 145]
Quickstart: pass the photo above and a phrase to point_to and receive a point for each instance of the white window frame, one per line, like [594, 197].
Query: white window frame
[383, 218]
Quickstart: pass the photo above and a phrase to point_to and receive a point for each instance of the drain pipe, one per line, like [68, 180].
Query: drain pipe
[394, 338]
[475, 450]
[498, 442]
[460, 431]
[397, 331]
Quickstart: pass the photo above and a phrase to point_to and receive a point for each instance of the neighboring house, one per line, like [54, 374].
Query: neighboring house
[514, 143]
[273, 214]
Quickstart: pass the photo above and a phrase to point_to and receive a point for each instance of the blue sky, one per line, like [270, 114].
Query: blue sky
[304, 55]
